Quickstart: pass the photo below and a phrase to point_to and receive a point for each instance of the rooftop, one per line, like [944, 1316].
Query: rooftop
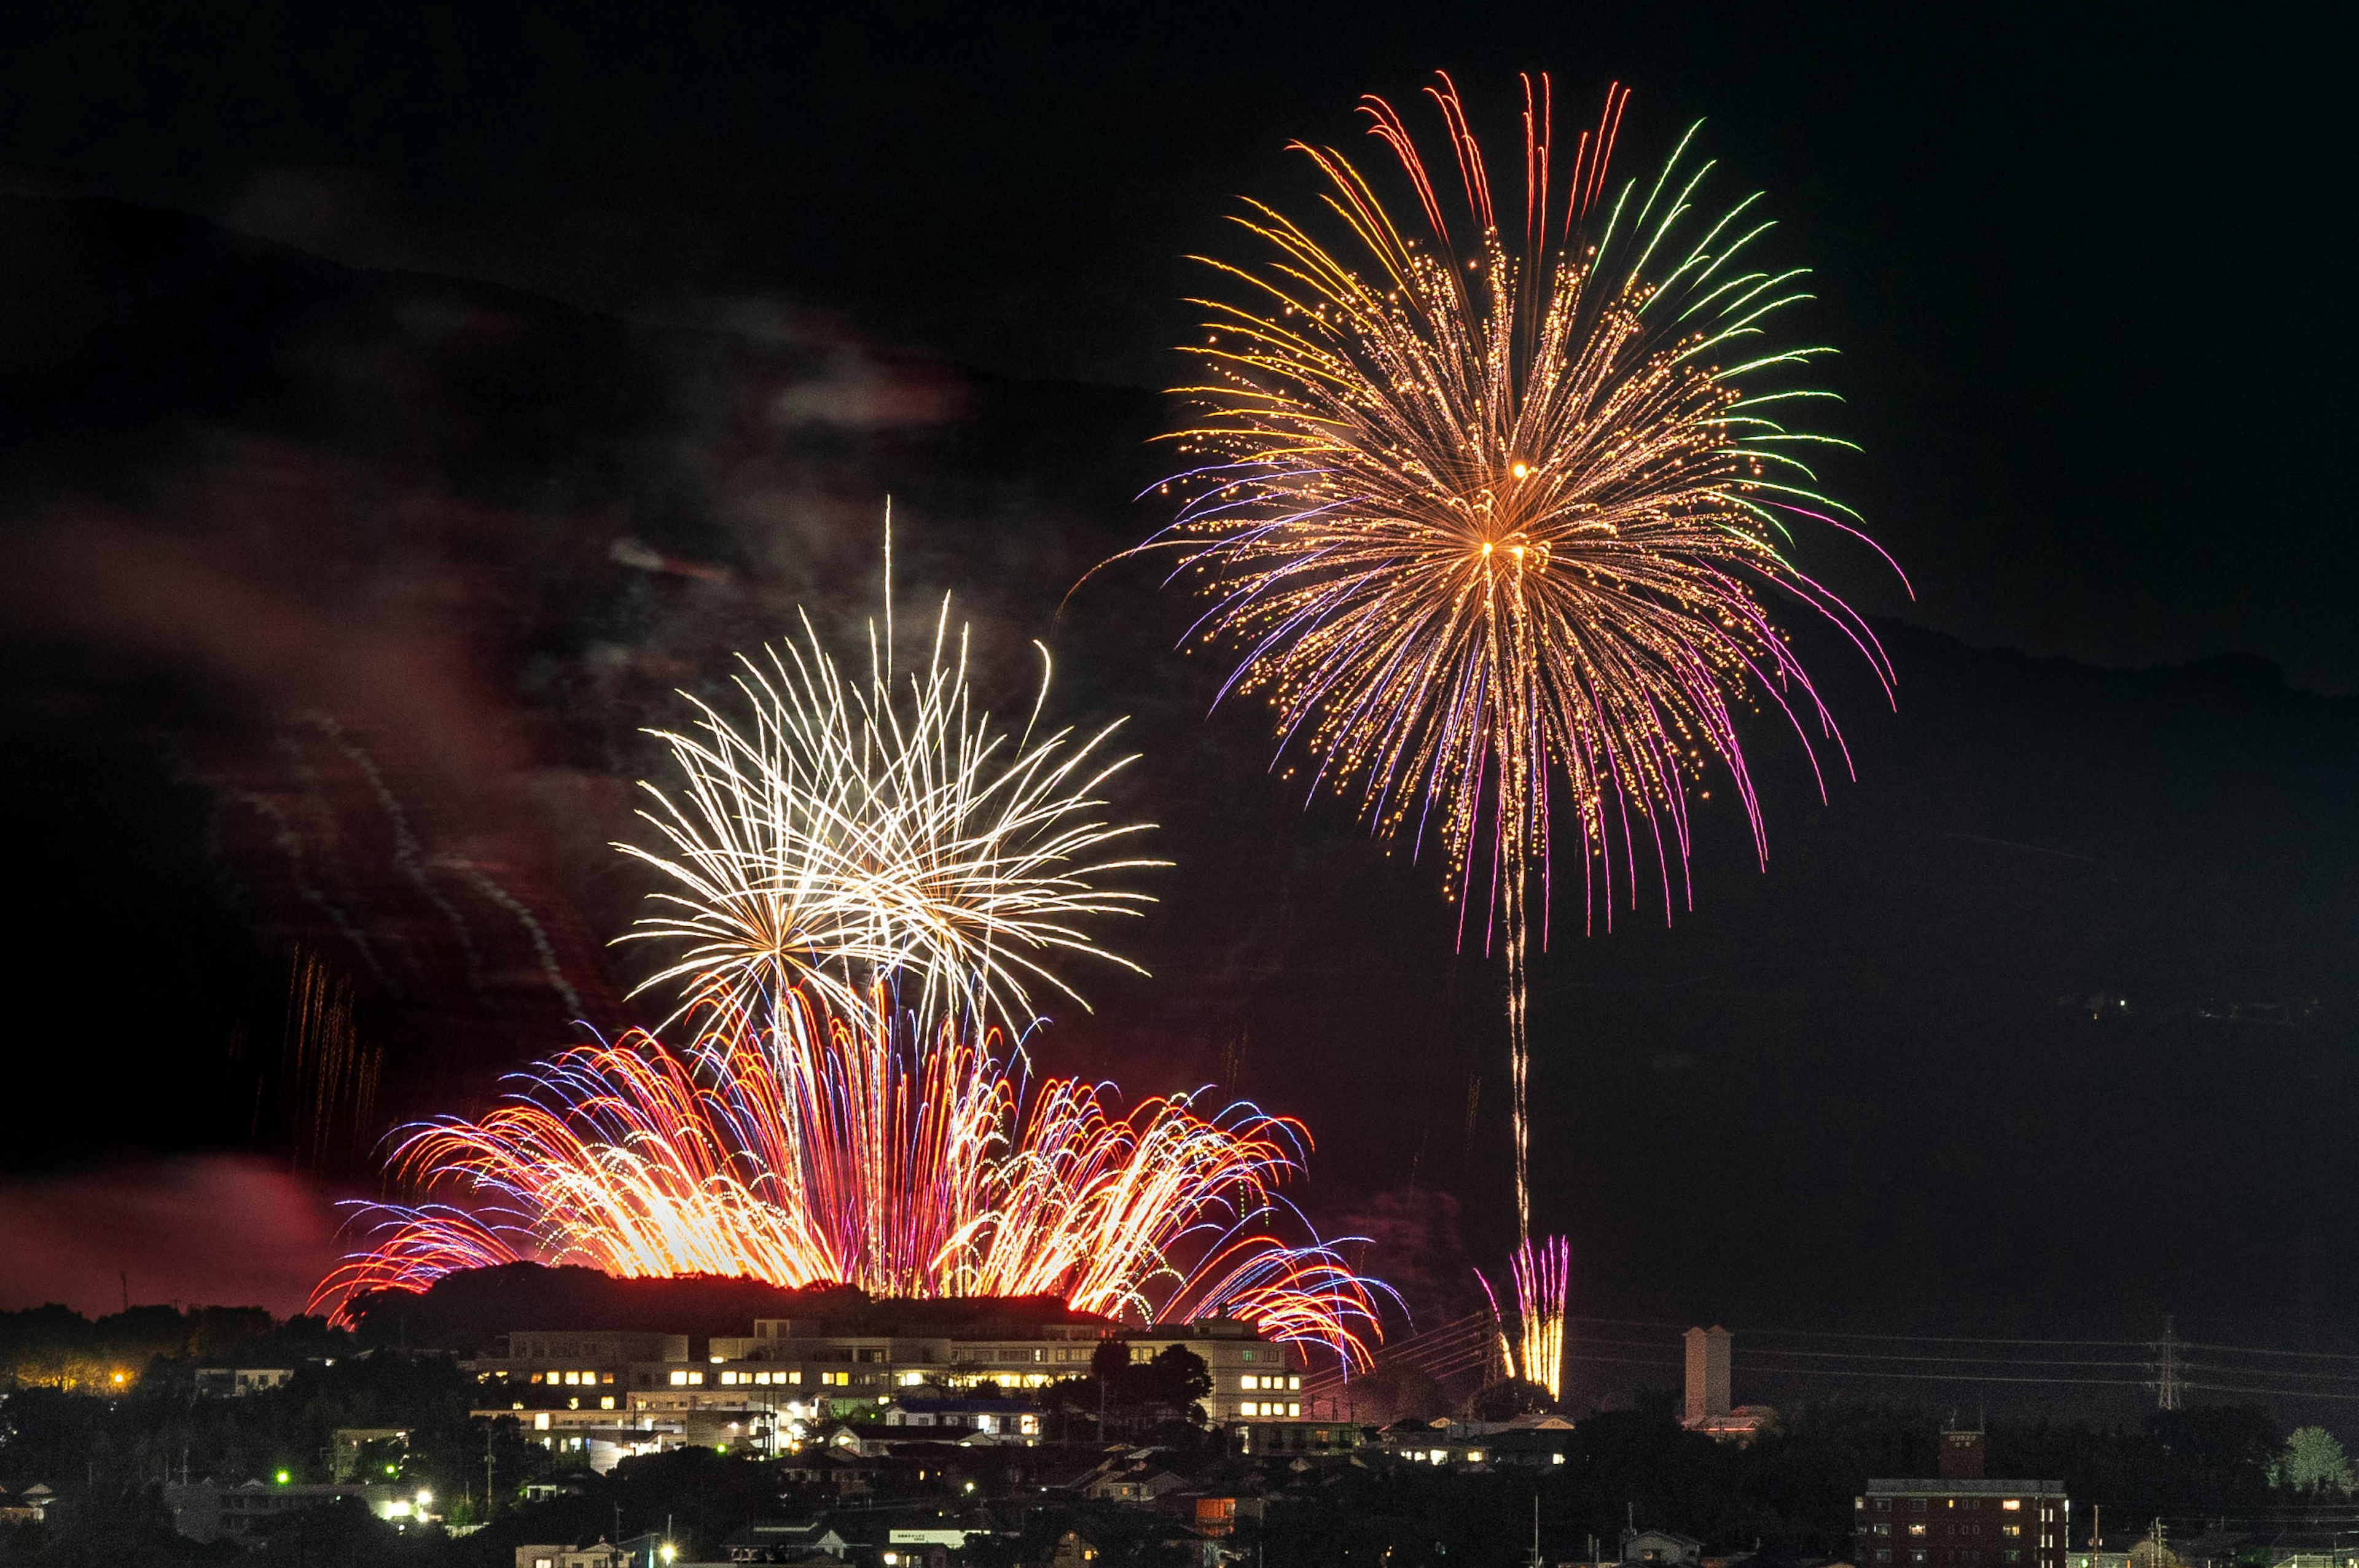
[1930, 1485]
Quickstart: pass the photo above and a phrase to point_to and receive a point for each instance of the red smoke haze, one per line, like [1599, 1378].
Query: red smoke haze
[218, 1230]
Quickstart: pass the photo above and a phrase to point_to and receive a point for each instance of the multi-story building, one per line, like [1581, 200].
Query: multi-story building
[1253, 1378]
[236, 1382]
[1963, 1520]
[204, 1511]
[612, 1392]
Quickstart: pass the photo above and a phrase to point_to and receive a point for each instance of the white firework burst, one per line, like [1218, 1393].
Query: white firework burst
[847, 834]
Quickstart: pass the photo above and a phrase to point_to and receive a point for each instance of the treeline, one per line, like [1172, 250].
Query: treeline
[466, 1312]
[56, 1348]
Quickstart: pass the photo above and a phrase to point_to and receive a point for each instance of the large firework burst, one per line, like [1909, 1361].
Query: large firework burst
[1491, 507]
[833, 1149]
[847, 833]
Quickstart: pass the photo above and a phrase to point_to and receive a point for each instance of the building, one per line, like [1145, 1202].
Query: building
[1660, 1546]
[800, 1371]
[1073, 1550]
[1131, 1482]
[1526, 1442]
[1253, 1380]
[236, 1382]
[1293, 1439]
[1963, 1520]
[599, 1439]
[783, 1541]
[642, 1552]
[30, 1506]
[1707, 1408]
[350, 1443]
[204, 1511]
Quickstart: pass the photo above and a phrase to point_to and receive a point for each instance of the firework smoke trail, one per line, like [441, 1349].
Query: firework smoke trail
[846, 833]
[836, 1151]
[1488, 514]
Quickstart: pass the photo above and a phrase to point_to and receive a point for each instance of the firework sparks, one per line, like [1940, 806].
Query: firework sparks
[838, 1151]
[847, 834]
[1490, 518]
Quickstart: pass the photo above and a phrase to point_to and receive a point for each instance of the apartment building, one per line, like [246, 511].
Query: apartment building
[790, 1368]
[1962, 1520]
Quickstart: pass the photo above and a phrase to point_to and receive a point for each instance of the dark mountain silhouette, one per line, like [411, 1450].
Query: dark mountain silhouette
[467, 1310]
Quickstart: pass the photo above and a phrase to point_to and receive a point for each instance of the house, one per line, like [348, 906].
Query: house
[784, 1540]
[1660, 1546]
[1073, 1550]
[846, 1475]
[30, 1506]
[1136, 1485]
[602, 1555]
[237, 1382]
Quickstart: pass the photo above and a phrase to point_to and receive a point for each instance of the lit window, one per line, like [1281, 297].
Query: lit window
[606, 1403]
[1473, 1456]
[1556, 1458]
[1294, 1382]
[1248, 1382]
[680, 1379]
[2010, 1529]
[795, 1376]
[696, 1379]
[1294, 1410]
[1249, 1353]
[1916, 1529]
[728, 1379]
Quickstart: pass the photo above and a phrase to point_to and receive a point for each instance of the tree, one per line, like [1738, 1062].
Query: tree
[1508, 1399]
[2312, 1462]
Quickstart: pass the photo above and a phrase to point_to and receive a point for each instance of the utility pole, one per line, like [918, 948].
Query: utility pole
[2166, 1388]
[487, 1472]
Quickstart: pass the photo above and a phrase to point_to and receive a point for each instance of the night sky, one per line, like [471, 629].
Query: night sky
[339, 352]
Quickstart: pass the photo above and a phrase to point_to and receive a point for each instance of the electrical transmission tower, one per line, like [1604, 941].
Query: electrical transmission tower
[2165, 1380]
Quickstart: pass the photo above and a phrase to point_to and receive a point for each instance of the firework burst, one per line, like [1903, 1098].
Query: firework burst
[835, 1151]
[847, 833]
[1542, 1277]
[1490, 510]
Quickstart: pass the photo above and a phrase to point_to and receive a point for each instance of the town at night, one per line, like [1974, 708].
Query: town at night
[1286, 788]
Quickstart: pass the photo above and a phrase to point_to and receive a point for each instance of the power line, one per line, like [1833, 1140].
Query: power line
[1750, 1352]
[1845, 1334]
[2272, 1393]
[1955, 1377]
